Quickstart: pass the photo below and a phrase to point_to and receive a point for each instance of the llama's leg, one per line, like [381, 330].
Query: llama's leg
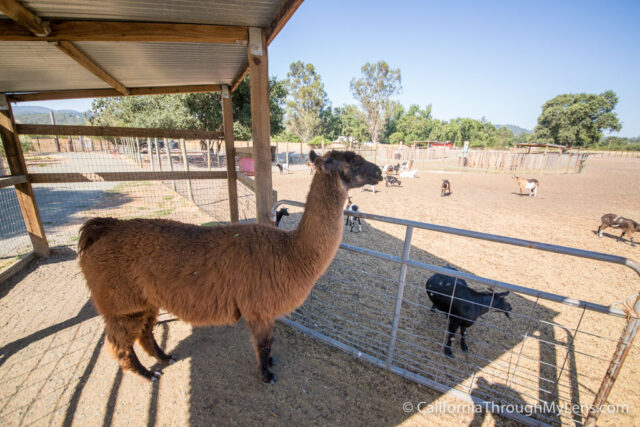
[121, 333]
[453, 325]
[148, 342]
[262, 338]
[463, 343]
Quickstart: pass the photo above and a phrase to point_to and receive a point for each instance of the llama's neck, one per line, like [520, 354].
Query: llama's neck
[319, 233]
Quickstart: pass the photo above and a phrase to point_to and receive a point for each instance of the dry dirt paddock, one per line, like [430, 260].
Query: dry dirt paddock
[54, 369]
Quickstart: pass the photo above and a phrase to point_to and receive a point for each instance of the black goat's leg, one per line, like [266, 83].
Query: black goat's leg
[453, 326]
[262, 338]
[600, 230]
[359, 225]
[463, 343]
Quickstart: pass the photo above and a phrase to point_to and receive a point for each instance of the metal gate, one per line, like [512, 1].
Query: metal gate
[528, 369]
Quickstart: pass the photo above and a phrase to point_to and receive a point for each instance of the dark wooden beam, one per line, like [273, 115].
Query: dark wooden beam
[77, 55]
[27, 129]
[227, 121]
[51, 178]
[24, 191]
[107, 31]
[106, 93]
[260, 125]
[286, 12]
[25, 18]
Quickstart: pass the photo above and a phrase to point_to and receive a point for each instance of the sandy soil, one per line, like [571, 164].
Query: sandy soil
[55, 371]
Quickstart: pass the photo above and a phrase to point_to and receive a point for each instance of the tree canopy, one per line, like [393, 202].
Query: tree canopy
[188, 111]
[577, 119]
[307, 101]
[373, 90]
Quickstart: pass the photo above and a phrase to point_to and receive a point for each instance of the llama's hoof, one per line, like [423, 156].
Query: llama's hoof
[269, 378]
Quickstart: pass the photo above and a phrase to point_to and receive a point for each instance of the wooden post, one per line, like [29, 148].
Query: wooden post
[55, 137]
[170, 161]
[158, 154]
[208, 142]
[150, 151]
[230, 156]
[185, 159]
[24, 191]
[286, 156]
[260, 126]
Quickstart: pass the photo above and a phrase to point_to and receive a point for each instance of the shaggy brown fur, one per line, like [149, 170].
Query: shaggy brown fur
[628, 226]
[215, 275]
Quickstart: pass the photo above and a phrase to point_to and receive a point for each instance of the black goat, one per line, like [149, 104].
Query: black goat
[391, 181]
[280, 213]
[467, 305]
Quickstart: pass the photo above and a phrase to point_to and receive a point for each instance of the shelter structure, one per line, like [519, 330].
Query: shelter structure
[537, 146]
[63, 49]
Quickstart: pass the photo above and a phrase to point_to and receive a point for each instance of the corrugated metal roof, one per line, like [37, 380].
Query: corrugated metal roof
[167, 64]
[34, 66]
[39, 66]
[258, 13]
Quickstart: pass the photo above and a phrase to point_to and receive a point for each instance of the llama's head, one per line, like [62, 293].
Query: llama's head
[354, 170]
[500, 303]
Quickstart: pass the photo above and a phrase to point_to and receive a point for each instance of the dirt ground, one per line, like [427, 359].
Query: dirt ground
[55, 371]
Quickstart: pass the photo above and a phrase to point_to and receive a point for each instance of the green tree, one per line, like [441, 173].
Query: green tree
[373, 91]
[307, 100]
[577, 119]
[353, 122]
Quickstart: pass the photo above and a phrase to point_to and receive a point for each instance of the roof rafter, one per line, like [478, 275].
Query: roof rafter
[104, 93]
[76, 54]
[25, 17]
[128, 32]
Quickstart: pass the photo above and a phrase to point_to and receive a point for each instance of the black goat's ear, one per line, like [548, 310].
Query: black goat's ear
[502, 294]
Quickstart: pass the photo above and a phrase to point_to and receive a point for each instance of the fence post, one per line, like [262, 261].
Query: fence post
[624, 345]
[399, 295]
[166, 146]
[150, 150]
[185, 159]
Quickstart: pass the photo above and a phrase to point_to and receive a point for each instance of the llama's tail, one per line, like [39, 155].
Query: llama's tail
[92, 230]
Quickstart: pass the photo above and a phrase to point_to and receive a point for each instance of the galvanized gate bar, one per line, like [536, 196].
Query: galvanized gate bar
[616, 362]
[400, 295]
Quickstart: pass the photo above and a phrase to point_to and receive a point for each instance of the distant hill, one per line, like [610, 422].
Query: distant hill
[40, 115]
[517, 130]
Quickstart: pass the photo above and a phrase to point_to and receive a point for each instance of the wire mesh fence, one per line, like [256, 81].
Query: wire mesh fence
[543, 363]
[64, 206]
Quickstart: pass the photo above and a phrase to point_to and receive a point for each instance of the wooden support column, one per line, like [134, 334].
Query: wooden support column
[230, 155]
[260, 126]
[24, 191]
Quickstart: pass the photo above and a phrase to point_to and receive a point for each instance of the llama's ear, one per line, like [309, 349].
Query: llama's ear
[313, 156]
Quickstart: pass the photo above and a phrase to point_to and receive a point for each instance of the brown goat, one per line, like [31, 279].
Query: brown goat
[215, 275]
[527, 184]
[628, 226]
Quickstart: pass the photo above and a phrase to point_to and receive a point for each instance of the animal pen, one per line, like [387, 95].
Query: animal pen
[61, 53]
[378, 313]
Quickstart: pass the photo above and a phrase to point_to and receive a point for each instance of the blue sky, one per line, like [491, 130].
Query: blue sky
[495, 59]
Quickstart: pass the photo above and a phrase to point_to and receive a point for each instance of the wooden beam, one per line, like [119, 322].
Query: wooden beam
[77, 55]
[8, 181]
[106, 93]
[24, 191]
[17, 266]
[27, 129]
[51, 178]
[113, 31]
[248, 152]
[24, 17]
[286, 12]
[227, 121]
[260, 125]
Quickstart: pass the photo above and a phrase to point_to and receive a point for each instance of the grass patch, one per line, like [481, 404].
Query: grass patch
[162, 212]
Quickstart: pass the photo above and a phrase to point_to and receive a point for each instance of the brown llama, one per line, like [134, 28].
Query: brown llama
[215, 275]
[527, 184]
[628, 226]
